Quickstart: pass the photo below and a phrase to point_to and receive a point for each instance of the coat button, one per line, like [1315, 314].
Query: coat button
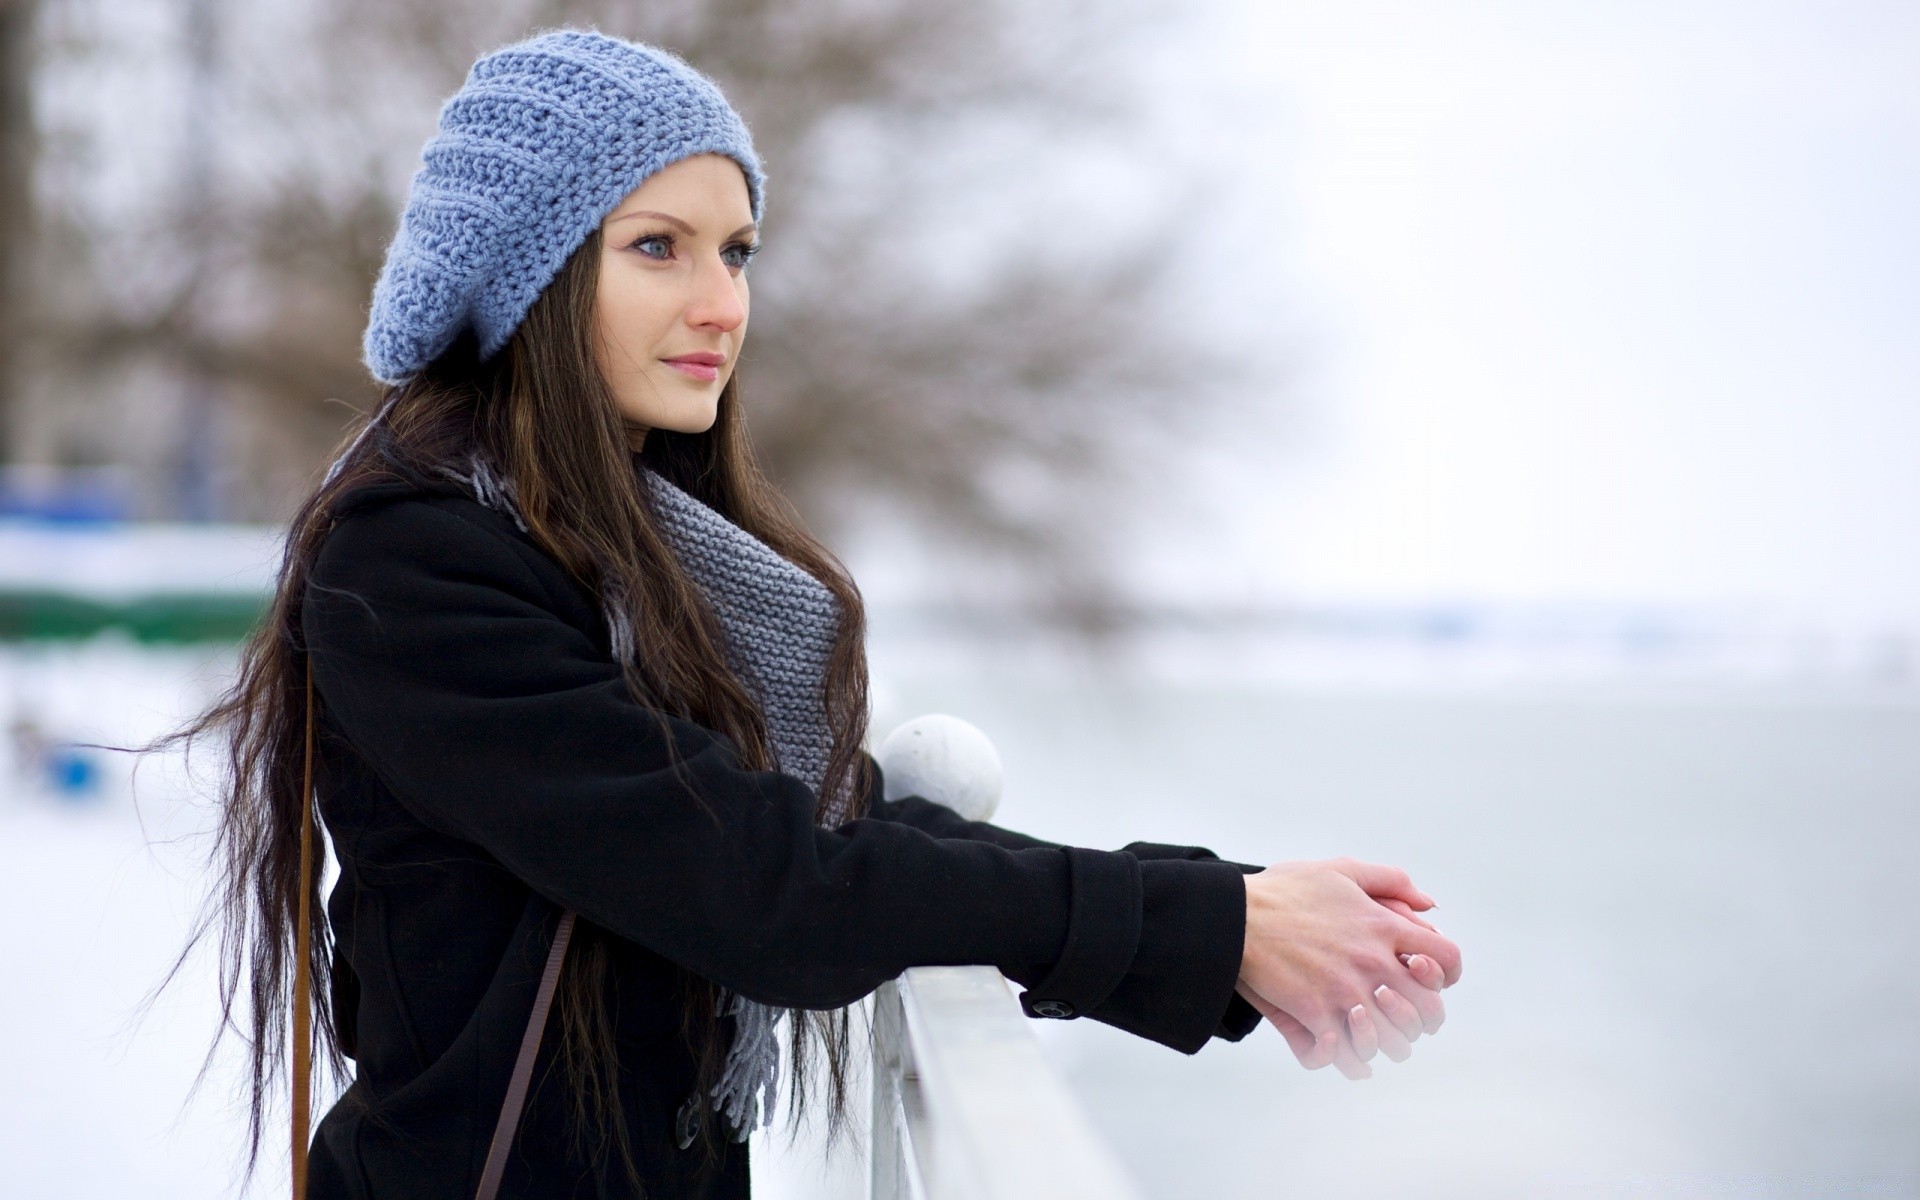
[1058, 1010]
[686, 1122]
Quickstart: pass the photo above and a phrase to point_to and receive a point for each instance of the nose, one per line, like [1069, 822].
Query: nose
[716, 303]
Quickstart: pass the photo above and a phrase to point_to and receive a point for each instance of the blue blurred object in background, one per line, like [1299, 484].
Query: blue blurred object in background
[69, 771]
[71, 496]
[72, 773]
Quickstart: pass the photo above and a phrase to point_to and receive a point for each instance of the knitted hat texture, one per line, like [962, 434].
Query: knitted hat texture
[543, 139]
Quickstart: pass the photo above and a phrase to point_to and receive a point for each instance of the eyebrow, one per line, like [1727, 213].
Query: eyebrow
[676, 222]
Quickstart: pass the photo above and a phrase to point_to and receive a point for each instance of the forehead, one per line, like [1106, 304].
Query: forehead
[708, 186]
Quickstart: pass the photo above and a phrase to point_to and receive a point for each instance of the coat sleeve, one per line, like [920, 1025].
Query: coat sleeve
[441, 656]
[940, 821]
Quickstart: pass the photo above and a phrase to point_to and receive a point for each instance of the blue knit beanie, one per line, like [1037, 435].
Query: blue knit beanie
[539, 144]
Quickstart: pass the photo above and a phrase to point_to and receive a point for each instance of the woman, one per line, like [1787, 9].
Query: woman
[585, 697]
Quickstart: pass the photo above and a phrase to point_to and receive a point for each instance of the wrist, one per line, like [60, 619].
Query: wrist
[1246, 929]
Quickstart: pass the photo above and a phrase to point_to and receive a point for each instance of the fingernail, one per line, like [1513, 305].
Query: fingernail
[1380, 992]
[1406, 960]
[1357, 1013]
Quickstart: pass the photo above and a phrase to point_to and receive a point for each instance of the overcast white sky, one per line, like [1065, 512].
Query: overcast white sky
[1601, 301]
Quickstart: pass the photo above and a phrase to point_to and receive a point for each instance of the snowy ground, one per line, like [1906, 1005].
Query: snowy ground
[1690, 965]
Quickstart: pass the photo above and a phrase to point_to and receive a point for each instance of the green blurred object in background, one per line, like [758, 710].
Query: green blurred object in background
[162, 618]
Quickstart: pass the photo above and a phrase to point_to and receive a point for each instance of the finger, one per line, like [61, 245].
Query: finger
[1348, 1064]
[1387, 1035]
[1415, 940]
[1311, 1052]
[1426, 997]
[1298, 1037]
[1378, 881]
[1331, 1045]
[1425, 970]
[1400, 1011]
[1393, 1043]
[1361, 1029]
[1400, 906]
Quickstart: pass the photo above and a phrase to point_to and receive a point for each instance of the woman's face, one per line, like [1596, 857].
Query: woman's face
[671, 309]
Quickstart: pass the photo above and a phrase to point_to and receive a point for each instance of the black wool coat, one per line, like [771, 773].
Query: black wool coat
[481, 767]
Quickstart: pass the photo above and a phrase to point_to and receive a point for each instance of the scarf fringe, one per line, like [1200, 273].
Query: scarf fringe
[748, 1082]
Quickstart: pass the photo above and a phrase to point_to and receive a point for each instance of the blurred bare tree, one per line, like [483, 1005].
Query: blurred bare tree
[988, 371]
[17, 143]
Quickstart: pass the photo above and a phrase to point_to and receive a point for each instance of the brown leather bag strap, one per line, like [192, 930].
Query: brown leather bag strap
[302, 1100]
[517, 1084]
[509, 1121]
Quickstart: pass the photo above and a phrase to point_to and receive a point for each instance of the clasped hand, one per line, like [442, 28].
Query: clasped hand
[1338, 959]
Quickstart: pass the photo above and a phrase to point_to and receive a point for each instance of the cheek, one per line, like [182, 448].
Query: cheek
[631, 314]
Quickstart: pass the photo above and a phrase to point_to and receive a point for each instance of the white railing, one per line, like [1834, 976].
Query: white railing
[964, 1105]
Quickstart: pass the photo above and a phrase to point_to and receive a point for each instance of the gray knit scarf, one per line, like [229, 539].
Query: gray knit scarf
[780, 624]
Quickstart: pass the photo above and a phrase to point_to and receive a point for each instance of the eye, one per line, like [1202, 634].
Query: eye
[661, 240]
[739, 254]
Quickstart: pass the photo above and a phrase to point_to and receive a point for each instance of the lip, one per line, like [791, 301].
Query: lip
[704, 366]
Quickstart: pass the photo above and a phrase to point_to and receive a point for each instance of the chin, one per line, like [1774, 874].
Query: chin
[688, 412]
[691, 422]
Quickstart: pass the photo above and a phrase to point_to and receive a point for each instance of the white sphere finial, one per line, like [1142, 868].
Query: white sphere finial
[945, 760]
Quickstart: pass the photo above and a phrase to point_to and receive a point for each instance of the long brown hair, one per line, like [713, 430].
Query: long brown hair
[541, 411]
